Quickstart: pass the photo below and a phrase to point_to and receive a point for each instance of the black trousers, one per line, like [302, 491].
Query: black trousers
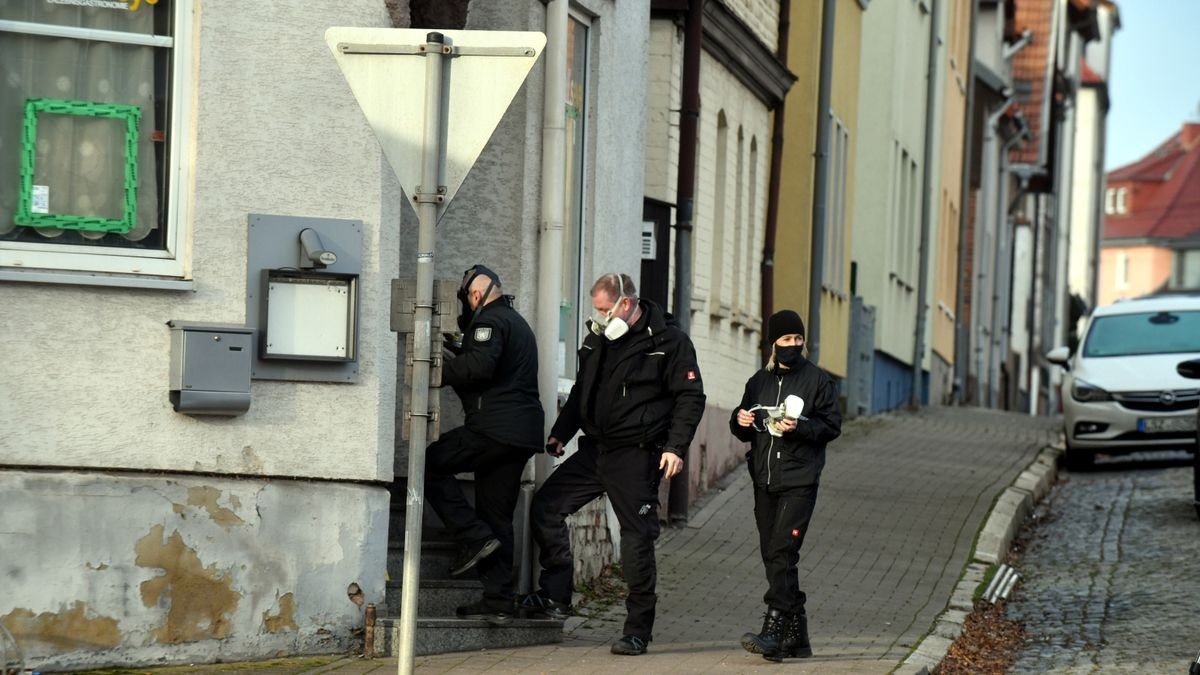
[630, 476]
[782, 519]
[497, 471]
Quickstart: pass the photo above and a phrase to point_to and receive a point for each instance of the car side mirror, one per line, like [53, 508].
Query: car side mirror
[1060, 355]
[1190, 369]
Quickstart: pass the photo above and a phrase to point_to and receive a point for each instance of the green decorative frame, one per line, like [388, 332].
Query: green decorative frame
[130, 113]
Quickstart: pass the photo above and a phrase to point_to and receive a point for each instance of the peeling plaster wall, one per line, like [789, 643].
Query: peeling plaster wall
[132, 570]
[275, 130]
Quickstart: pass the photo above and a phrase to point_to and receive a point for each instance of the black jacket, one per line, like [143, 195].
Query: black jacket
[796, 458]
[642, 389]
[496, 377]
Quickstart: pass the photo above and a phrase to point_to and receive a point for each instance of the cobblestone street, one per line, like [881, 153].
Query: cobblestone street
[1112, 576]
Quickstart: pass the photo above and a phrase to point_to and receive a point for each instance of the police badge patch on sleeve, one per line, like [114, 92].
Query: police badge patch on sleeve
[483, 334]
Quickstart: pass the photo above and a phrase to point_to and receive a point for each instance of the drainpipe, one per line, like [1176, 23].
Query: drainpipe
[1010, 310]
[1065, 170]
[962, 332]
[1002, 271]
[931, 86]
[768, 261]
[985, 213]
[550, 238]
[820, 180]
[685, 198]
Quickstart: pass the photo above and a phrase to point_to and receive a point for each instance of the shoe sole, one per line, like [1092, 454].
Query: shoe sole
[488, 549]
[794, 654]
[538, 614]
[750, 645]
[627, 652]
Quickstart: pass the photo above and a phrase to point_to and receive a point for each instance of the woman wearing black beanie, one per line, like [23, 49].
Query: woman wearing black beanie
[788, 413]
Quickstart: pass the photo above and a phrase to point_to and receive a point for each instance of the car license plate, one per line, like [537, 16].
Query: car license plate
[1154, 425]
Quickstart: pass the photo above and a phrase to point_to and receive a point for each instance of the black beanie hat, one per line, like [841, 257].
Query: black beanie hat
[783, 323]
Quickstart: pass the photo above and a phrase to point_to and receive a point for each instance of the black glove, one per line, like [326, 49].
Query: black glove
[453, 342]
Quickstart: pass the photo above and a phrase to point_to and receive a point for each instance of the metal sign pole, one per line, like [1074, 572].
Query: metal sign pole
[427, 197]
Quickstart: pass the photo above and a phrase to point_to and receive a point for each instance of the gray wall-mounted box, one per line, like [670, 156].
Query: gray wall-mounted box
[210, 368]
[325, 252]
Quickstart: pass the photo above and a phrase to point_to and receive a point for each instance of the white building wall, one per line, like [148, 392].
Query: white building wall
[762, 16]
[891, 123]
[619, 136]
[727, 338]
[1085, 215]
[663, 102]
[208, 549]
[298, 146]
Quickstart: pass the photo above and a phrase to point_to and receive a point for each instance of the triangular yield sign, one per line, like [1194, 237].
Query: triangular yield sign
[387, 76]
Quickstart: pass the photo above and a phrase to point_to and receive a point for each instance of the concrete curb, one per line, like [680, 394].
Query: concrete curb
[1009, 512]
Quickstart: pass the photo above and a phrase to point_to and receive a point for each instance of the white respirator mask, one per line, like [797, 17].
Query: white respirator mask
[604, 323]
[609, 326]
[792, 408]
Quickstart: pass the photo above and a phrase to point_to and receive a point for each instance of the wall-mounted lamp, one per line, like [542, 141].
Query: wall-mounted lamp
[313, 254]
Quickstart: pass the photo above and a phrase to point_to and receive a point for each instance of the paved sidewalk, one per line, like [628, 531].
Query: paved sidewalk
[901, 500]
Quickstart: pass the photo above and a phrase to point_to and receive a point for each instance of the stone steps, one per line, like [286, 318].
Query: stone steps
[441, 635]
[438, 630]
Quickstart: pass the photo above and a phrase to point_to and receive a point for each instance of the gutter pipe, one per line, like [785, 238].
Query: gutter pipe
[685, 199]
[550, 243]
[1002, 276]
[767, 270]
[820, 180]
[931, 86]
[962, 331]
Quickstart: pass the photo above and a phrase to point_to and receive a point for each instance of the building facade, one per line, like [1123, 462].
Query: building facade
[890, 161]
[138, 534]
[1151, 238]
[156, 536]
[732, 170]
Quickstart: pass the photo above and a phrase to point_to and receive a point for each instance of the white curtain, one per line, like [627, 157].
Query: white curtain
[80, 159]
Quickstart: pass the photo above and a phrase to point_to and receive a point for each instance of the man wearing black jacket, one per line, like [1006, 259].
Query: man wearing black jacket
[789, 412]
[638, 398]
[495, 375]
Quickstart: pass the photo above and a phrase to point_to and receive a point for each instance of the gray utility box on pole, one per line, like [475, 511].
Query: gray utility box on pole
[210, 368]
[442, 321]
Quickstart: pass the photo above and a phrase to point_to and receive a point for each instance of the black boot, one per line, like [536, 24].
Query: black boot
[770, 639]
[795, 637]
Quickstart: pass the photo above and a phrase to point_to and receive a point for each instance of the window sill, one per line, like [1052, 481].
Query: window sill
[720, 310]
[96, 279]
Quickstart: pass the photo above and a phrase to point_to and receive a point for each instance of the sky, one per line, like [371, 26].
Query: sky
[1155, 82]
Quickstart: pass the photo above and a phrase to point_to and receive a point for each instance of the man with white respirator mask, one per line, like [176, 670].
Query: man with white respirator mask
[638, 399]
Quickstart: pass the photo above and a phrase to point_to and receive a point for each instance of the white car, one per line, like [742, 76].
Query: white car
[1121, 392]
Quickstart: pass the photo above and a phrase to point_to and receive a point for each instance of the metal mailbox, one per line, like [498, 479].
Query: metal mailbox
[210, 368]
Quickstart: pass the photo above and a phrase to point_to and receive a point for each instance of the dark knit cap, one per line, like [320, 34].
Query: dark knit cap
[783, 323]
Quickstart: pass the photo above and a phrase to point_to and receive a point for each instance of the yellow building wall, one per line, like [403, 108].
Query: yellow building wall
[956, 55]
[793, 239]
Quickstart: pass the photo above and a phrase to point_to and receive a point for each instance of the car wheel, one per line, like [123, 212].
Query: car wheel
[1079, 459]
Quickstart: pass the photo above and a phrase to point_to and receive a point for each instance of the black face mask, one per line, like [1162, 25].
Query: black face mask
[791, 356]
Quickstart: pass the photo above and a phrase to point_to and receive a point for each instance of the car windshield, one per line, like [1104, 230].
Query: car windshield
[1144, 333]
